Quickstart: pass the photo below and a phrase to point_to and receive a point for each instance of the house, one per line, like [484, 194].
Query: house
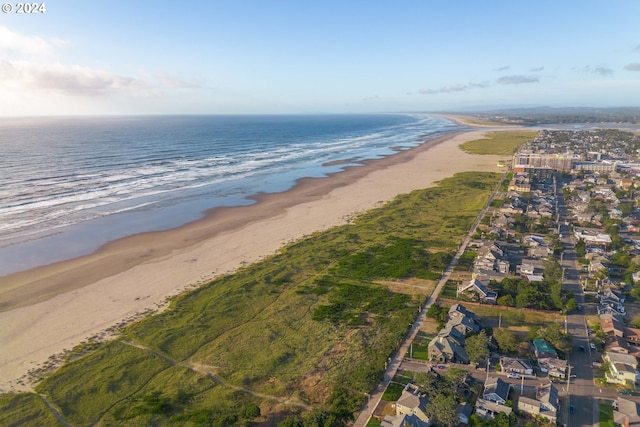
[520, 366]
[446, 349]
[487, 409]
[448, 345]
[620, 345]
[612, 326]
[413, 403]
[592, 236]
[538, 248]
[622, 368]
[543, 349]
[402, 420]
[546, 403]
[632, 335]
[463, 324]
[457, 310]
[628, 413]
[553, 366]
[478, 288]
[463, 412]
[496, 390]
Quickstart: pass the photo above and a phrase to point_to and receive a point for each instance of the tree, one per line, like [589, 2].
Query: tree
[477, 346]
[455, 376]
[506, 300]
[442, 408]
[554, 334]
[571, 304]
[507, 340]
[440, 314]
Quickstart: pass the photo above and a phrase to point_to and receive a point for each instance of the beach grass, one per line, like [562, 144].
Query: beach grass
[503, 143]
[25, 409]
[312, 325]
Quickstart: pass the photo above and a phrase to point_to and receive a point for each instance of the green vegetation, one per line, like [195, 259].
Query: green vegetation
[606, 415]
[393, 392]
[25, 409]
[499, 143]
[477, 346]
[311, 326]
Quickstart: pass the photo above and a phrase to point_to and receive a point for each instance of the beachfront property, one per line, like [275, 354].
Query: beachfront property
[448, 344]
[479, 289]
[410, 410]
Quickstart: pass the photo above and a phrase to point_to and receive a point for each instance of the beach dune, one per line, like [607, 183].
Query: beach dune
[49, 309]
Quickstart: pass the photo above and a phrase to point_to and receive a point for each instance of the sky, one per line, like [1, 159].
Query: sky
[117, 57]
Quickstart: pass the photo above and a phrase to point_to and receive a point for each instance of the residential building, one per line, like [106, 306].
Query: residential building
[411, 402]
[543, 349]
[622, 368]
[520, 366]
[627, 413]
[546, 403]
[496, 390]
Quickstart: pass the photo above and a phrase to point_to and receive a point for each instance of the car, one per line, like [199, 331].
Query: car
[581, 348]
[572, 409]
[592, 346]
[627, 392]
[579, 308]
[513, 375]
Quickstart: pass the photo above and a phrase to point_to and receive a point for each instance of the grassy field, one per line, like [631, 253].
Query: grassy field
[479, 121]
[499, 143]
[305, 332]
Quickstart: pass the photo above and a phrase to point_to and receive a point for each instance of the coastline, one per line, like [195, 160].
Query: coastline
[48, 309]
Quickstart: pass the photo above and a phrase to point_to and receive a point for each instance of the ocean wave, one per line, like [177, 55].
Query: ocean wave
[81, 179]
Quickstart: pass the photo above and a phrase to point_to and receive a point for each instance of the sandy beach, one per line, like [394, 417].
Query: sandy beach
[50, 309]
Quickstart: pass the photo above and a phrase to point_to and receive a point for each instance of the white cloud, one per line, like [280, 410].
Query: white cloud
[602, 70]
[454, 88]
[516, 80]
[21, 45]
[66, 79]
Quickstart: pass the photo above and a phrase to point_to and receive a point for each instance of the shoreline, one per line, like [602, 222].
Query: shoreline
[50, 309]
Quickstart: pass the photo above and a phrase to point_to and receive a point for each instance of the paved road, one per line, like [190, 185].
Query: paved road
[581, 390]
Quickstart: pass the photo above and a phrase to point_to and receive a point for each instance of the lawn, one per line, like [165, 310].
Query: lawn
[606, 415]
[500, 142]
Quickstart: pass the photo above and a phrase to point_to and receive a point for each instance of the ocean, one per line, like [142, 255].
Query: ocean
[70, 185]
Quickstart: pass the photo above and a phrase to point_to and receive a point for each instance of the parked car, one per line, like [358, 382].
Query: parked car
[592, 346]
[513, 375]
[572, 409]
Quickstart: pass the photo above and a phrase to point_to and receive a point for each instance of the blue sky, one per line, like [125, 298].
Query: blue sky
[272, 56]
